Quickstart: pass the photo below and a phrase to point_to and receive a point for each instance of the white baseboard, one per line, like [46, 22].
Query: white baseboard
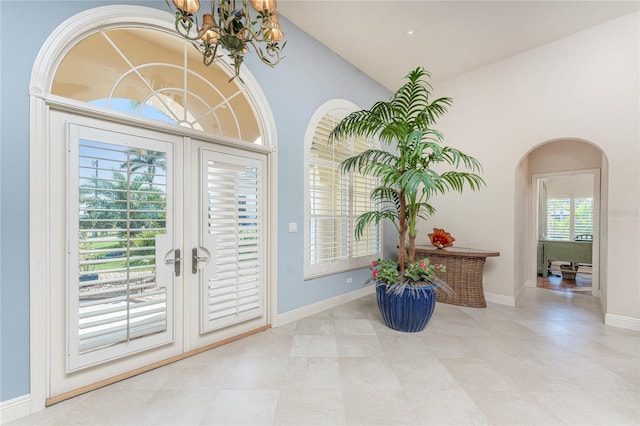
[323, 305]
[520, 291]
[620, 321]
[500, 299]
[15, 408]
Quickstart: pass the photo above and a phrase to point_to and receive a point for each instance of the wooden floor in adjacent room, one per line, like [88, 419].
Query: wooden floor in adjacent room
[554, 281]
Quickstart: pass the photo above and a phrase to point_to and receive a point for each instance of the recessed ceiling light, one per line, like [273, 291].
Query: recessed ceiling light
[410, 32]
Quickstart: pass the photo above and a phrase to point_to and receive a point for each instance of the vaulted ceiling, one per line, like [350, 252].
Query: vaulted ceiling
[386, 39]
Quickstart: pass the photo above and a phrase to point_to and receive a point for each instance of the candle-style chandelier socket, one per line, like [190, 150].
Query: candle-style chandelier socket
[230, 26]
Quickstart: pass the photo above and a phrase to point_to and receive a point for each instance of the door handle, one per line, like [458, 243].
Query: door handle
[195, 259]
[175, 261]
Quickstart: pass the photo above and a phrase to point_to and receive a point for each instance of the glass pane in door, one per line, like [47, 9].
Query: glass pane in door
[118, 270]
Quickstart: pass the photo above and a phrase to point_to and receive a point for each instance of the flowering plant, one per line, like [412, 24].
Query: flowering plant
[420, 271]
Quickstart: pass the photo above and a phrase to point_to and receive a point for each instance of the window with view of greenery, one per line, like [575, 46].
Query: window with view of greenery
[569, 217]
[122, 208]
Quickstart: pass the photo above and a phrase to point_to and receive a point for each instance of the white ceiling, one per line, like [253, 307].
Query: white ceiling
[452, 37]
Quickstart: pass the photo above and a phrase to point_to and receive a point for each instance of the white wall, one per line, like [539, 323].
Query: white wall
[577, 186]
[565, 154]
[584, 87]
[523, 210]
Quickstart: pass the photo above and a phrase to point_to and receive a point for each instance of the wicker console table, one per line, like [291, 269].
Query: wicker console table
[463, 273]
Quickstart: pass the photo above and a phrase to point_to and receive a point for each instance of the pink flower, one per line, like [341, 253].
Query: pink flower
[374, 263]
[423, 264]
[375, 274]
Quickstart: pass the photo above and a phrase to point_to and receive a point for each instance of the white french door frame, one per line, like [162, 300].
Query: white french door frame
[533, 226]
[41, 272]
[43, 148]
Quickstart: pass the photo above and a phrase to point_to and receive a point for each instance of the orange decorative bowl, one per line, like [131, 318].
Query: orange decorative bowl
[441, 238]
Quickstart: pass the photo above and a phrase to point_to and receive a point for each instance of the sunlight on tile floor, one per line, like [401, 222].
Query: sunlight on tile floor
[549, 361]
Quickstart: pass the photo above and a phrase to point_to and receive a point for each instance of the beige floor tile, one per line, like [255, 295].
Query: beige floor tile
[368, 373]
[242, 407]
[310, 407]
[306, 345]
[549, 360]
[508, 408]
[446, 407]
[312, 374]
[359, 346]
[590, 408]
[367, 406]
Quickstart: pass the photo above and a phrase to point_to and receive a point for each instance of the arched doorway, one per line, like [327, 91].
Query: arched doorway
[565, 161]
[150, 202]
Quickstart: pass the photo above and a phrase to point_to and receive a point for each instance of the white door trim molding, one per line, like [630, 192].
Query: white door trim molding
[61, 40]
[596, 225]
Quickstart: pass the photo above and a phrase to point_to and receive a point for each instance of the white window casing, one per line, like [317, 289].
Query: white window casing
[333, 200]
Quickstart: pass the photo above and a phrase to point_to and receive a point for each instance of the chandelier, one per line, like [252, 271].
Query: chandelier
[232, 28]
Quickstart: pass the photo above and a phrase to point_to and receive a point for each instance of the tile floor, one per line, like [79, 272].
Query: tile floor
[549, 361]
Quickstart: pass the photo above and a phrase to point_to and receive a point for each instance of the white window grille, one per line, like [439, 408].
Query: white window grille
[335, 200]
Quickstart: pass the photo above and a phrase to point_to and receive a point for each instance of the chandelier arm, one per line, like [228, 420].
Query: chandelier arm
[209, 54]
[254, 36]
[231, 28]
[272, 51]
[184, 25]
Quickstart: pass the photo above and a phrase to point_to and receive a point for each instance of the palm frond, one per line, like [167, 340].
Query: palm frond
[454, 157]
[374, 217]
[456, 180]
[406, 180]
[365, 159]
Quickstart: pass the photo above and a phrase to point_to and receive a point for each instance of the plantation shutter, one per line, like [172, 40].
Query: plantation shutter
[233, 222]
[329, 221]
[335, 201]
[119, 285]
[559, 219]
[567, 218]
[583, 216]
[369, 242]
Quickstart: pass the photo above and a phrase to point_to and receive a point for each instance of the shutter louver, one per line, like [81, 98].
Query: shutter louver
[559, 219]
[583, 217]
[336, 200]
[328, 207]
[234, 226]
[569, 217]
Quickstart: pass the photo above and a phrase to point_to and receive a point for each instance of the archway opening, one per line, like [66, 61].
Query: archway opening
[577, 170]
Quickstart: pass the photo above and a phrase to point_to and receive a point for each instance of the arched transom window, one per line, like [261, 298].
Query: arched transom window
[156, 75]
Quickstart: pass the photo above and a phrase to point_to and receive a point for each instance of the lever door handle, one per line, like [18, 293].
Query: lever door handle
[176, 262]
[195, 259]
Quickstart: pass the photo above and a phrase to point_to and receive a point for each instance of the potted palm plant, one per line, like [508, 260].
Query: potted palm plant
[407, 182]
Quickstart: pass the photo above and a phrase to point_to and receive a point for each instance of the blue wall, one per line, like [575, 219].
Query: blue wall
[308, 76]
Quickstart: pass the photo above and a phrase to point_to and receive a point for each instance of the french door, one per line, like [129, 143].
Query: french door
[227, 233]
[163, 254]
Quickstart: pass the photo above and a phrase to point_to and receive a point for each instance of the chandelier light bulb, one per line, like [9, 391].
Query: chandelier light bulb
[187, 6]
[276, 33]
[208, 34]
[262, 5]
[232, 27]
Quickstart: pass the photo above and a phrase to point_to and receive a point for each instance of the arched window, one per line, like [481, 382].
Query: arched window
[156, 75]
[335, 200]
[130, 133]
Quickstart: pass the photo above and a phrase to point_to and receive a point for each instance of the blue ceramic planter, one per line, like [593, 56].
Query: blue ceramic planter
[408, 311]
